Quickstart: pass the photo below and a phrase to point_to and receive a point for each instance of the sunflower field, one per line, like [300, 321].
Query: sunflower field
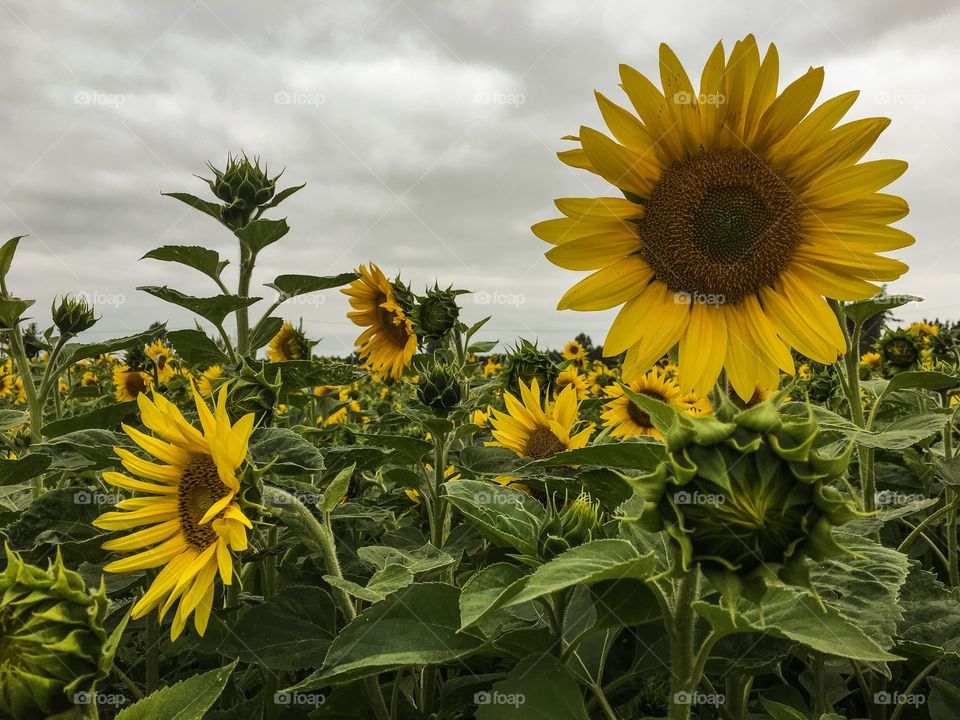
[743, 504]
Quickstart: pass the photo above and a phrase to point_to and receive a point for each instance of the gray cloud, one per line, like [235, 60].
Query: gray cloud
[426, 133]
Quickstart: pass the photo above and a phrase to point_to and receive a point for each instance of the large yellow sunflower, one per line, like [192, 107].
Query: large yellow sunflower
[190, 506]
[536, 431]
[742, 209]
[626, 419]
[388, 344]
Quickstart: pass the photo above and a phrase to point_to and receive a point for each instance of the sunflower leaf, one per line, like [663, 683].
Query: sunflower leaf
[661, 415]
[502, 514]
[204, 206]
[863, 310]
[289, 286]
[196, 348]
[75, 352]
[638, 454]
[289, 452]
[106, 417]
[214, 309]
[7, 251]
[203, 259]
[538, 687]
[186, 700]
[260, 233]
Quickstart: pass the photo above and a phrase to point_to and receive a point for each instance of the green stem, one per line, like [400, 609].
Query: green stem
[33, 399]
[604, 703]
[247, 261]
[918, 530]
[682, 631]
[271, 677]
[953, 560]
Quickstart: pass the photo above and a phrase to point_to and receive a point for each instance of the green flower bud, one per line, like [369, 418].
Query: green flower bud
[747, 496]
[51, 639]
[440, 389]
[899, 351]
[72, 315]
[569, 527]
[252, 392]
[437, 313]
[243, 186]
[525, 363]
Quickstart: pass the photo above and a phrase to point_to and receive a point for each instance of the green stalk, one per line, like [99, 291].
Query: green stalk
[682, 632]
[953, 562]
[271, 678]
[247, 261]
[33, 399]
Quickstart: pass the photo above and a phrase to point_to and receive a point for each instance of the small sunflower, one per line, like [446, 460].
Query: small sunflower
[130, 384]
[492, 368]
[161, 355]
[536, 431]
[571, 377]
[191, 506]
[625, 418]
[388, 344]
[742, 210]
[288, 344]
[871, 360]
[214, 372]
[573, 350]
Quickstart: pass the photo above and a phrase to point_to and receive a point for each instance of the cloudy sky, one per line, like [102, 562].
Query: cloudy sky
[426, 132]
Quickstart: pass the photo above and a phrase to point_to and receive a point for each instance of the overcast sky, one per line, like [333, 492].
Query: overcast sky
[426, 132]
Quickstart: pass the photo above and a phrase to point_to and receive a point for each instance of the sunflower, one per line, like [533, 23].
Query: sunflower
[129, 384]
[491, 368]
[214, 372]
[742, 209]
[571, 377]
[573, 350]
[161, 355]
[536, 431]
[388, 344]
[288, 344]
[870, 360]
[626, 419]
[191, 508]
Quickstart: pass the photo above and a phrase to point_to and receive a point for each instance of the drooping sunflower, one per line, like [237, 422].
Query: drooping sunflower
[538, 431]
[626, 419]
[190, 507]
[742, 210]
[130, 384]
[288, 344]
[388, 344]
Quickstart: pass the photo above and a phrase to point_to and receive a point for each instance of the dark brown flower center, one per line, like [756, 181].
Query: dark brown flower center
[639, 416]
[396, 333]
[200, 487]
[719, 225]
[134, 383]
[542, 444]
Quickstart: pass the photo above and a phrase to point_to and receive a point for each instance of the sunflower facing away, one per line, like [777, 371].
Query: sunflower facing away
[288, 344]
[626, 419]
[388, 344]
[742, 209]
[190, 508]
[538, 431]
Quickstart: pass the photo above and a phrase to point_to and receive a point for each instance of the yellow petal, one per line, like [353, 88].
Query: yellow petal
[608, 287]
[594, 251]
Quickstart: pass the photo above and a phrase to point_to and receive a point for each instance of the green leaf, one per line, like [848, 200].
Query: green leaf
[293, 454]
[487, 591]
[299, 374]
[931, 616]
[12, 418]
[199, 258]
[381, 584]
[661, 415]
[106, 417]
[779, 711]
[628, 455]
[794, 614]
[264, 332]
[204, 206]
[503, 515]
[215, 309]
[483, 346]
[538, 688]
[75, 352]
[260, 233]
[480, 460]
[608, 559]
[291, 631]
[283, 195]
[186, 700]
[289, 286]
[863, 310]
[196, 348]
[409, 447]
[11, 310]
[7, 251]
[336, 489]
[424, 559]
[13, 472]
[417, 625]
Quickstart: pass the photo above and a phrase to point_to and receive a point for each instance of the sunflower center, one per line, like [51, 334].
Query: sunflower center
[542, 444]
[134, 383]
[719, 226]
[639, 416]
[397, 333]
[200, 487]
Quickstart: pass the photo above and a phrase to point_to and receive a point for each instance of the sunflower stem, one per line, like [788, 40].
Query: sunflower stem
[247, 262]
[682, 628]
[33, 399]
[953, 562]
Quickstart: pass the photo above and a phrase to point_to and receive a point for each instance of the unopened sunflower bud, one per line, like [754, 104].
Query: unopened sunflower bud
[526, 363]
[440, 389]
[568, 527]
[437, 313]
[243, 186]
[72, 315]
[252, 392]
[51, 639]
